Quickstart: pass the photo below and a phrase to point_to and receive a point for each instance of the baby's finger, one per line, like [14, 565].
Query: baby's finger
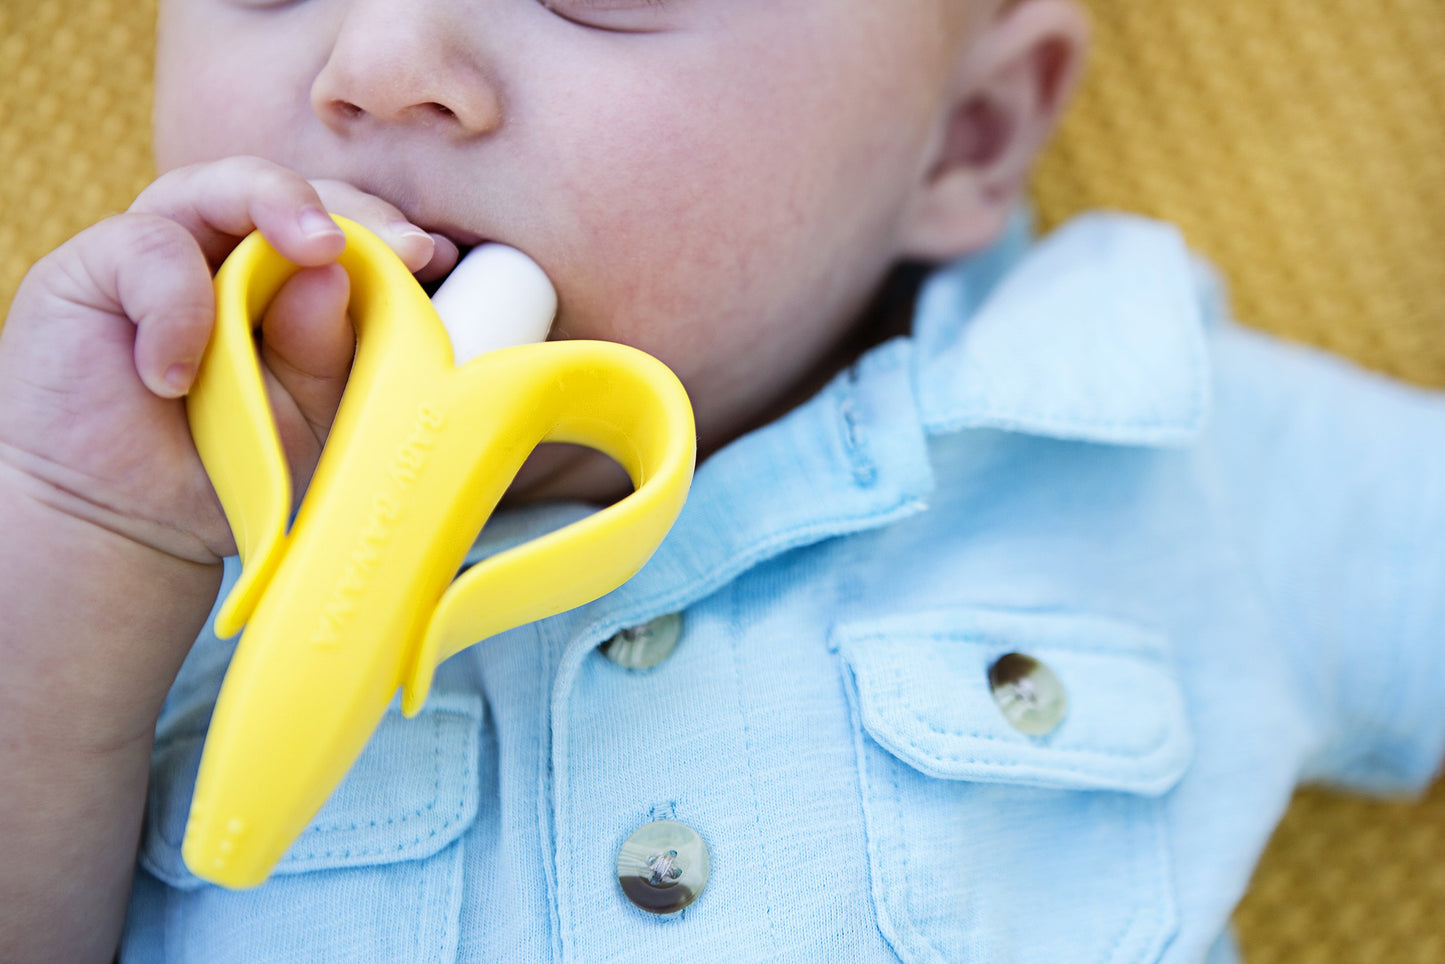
[222, 201]
[307, 343]
[443, 260]
[416, 247]
[127, 270]
[170, 297]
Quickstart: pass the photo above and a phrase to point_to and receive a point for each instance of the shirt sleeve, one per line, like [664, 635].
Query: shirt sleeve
[1334, 479]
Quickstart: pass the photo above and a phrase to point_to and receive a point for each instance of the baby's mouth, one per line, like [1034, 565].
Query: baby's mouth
[431, 286]
[446, 236]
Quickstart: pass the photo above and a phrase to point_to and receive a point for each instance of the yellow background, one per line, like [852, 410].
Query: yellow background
[1299, 143]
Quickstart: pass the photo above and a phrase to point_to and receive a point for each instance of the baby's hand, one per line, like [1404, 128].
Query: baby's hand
[109, 529]
[105, 333]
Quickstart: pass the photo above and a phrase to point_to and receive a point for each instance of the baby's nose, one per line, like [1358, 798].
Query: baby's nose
[389, 66]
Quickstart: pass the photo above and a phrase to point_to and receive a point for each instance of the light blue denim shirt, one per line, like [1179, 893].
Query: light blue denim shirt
[1227, 550]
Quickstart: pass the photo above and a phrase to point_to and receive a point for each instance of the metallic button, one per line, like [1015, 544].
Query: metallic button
[1029, 694]
[663, 867]
[643, 647]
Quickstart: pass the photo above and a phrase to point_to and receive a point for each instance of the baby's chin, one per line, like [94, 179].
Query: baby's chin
[495, 296]
[568, 473]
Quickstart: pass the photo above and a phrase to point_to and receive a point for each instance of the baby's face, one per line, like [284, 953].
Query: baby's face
[718, 182]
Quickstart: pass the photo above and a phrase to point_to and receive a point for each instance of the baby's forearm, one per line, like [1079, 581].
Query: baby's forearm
[94, 630]
[110, 534]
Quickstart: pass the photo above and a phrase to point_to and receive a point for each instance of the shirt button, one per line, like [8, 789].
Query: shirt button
[1029, 694]
[643, 647]
[663, 867]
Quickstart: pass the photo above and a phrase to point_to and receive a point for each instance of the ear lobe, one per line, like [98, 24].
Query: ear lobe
[1012, 83]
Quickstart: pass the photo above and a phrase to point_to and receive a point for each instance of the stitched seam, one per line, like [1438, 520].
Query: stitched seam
[1047, 766]
[982, 735]
[865, 472]
[551, 813]
[424, 809]
[904, 881]
[918, 935]
[901, 933]
[751, 556]
[1152, 652]
[990, 737]
[404, 845]
[1048, 752]
[1137, 868]
[1161, 862]
[872, 828]
[1056, 421]
[1064, 428]
[752, 783]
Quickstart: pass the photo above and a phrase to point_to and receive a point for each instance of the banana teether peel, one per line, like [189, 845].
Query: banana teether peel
[362, 597]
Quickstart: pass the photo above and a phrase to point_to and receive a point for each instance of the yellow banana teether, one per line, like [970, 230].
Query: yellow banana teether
[362, 597]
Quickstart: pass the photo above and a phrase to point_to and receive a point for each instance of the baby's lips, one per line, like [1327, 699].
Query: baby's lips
[450, 241]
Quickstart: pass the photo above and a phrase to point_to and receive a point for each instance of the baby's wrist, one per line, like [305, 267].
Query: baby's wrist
[50, 500]
[96, 623]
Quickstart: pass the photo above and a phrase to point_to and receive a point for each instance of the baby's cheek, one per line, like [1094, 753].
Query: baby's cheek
[659, 275]
[212, 101]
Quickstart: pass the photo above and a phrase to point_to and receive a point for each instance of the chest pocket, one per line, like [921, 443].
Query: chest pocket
[991, 845]
[376, 876]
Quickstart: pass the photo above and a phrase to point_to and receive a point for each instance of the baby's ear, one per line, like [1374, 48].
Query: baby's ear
[1013, 77]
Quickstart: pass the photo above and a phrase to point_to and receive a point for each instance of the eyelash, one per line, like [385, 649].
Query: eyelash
[587, 13]
[602, 4]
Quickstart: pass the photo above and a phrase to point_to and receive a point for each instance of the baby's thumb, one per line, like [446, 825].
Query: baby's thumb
[308, 344]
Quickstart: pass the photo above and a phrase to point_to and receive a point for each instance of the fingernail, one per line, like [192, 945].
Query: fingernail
[316, 223]
[178, 377]
[405, 230]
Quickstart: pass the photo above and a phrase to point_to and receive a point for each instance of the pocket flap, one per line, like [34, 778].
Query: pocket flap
[413, 791]
[921, 684]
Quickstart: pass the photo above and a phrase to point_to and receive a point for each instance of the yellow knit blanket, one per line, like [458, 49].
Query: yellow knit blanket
[1300, 145]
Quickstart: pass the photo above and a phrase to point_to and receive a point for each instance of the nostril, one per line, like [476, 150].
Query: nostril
[442, 109]
[347, 109]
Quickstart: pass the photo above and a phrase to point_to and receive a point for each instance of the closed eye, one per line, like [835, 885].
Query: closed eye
[621, 16]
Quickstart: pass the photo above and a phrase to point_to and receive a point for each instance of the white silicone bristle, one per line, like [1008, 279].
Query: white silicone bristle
[495, 298]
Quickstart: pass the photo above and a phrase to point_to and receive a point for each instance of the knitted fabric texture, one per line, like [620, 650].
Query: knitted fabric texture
[1301, 148]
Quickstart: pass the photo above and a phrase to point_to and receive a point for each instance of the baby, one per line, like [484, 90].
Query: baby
[1006, 611]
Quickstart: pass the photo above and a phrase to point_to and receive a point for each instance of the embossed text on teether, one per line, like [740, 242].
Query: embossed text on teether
[403, 470]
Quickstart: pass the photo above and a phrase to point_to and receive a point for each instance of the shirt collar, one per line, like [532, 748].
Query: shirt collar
[1094, 333]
